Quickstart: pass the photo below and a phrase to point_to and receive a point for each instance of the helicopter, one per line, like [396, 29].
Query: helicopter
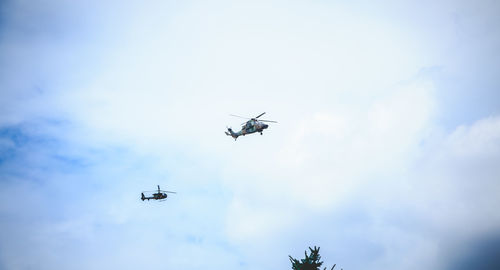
[251, 126]
[160, 195]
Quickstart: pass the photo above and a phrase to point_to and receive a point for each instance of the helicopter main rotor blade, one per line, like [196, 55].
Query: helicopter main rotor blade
[239, 116]
[260, 115]
[271, 121]
[166, 191]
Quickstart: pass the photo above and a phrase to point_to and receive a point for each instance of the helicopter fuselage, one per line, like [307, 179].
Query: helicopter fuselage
[253, 126]
[156, 196]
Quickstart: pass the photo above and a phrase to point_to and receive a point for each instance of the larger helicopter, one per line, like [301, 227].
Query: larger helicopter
[160, 195]
[251, 126]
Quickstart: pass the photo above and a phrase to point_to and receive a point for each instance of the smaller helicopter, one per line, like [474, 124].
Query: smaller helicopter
[251, 126]
[160, 195]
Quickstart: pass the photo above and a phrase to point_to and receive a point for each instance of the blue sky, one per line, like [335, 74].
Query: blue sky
[385, 155]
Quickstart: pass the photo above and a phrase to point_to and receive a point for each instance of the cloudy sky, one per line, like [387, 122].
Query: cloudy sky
[386, 154]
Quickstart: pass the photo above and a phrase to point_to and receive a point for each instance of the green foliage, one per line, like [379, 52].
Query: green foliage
[311, 262]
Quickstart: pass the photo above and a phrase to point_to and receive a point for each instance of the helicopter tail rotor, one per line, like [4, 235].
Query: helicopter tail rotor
[231, 133]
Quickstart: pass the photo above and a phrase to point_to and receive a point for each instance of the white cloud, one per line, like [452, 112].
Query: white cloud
[479, 140]
[357, 153]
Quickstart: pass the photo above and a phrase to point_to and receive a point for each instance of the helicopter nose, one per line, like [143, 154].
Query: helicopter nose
[265, 126]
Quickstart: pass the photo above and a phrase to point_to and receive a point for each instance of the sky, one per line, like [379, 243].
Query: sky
[385, 153]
